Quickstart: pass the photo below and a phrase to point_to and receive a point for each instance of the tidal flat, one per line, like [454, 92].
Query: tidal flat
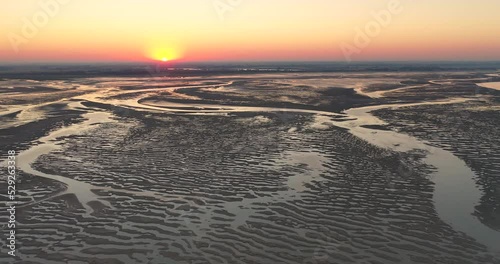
[280, 167]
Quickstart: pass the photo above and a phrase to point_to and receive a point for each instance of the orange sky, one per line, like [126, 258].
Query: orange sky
[222, 30]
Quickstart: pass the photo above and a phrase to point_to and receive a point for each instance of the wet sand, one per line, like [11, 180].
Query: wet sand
[232, 173]
[491, 85]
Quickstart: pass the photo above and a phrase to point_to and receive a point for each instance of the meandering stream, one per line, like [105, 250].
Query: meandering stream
[455, 194]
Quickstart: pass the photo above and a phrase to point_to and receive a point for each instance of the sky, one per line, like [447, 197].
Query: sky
[248, 30]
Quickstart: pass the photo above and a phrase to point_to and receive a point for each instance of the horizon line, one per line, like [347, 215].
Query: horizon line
[237, 62]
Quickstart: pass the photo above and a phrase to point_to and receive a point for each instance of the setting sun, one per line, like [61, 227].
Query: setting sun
[163, 52]
[222, 30]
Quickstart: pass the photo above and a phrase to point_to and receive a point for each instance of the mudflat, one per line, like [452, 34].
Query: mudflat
[224, 167]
